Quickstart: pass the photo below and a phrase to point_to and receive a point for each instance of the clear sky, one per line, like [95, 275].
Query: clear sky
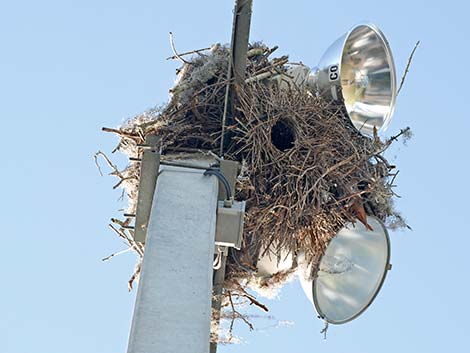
[67, 68]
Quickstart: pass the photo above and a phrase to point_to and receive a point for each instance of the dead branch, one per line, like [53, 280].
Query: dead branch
[407, 67]
[134, 276]
[325, 330]
[230, 331]
[252, 299]
[187, 53]
[108, 161]
[395, 138]
[120, 132]
[117, 253]
[95, 157]
[123, 179]
[176, 55]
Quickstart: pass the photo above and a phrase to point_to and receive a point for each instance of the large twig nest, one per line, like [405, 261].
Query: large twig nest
[306, 170]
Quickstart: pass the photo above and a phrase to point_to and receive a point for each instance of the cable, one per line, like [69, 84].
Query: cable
[222, 179]
[233, 255]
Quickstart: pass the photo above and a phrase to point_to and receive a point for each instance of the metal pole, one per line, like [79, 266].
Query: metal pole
[173, 306]
[240, 37]
[237, 63]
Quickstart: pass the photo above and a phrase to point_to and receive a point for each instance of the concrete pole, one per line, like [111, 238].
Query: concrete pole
[172, 312]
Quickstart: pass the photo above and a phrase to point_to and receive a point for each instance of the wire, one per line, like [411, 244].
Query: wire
[222, 179]
[233, 255]
[218, 260]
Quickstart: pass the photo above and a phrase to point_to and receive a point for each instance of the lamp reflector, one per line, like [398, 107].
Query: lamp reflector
[358, 69]
[351, 272]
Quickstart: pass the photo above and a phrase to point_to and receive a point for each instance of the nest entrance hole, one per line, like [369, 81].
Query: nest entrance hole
[283, 135]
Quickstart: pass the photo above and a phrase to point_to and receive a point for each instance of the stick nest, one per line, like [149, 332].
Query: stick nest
[306, 171]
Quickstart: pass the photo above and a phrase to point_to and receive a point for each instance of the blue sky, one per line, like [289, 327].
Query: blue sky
[67, 68]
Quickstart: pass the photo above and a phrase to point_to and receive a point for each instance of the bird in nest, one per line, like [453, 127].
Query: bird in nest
[358, 211]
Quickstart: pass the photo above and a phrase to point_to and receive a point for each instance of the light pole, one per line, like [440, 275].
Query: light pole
[186, 214]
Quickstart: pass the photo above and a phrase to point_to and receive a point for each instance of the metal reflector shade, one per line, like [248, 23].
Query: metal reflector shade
[351, 272]
[358, 69]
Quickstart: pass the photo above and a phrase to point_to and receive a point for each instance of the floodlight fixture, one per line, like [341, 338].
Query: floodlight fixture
[357, 70]
[350, 273]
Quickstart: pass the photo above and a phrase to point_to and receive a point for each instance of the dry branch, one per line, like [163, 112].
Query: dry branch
[197, 51]
[407, 67]
[176, 55]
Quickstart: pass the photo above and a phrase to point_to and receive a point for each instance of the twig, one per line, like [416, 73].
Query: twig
[120, 132]
[172, 43]
[359, 193]
[138, 247]
[236, 315]
[407, 67]
[382, 158]
[134, 276]
[325, 330]
[122, 224]
[394, 138]
[121, 234]
[117, 253]
[108, 161]
[393, 179]
[328, 171]
[249, 324]
[255, 302]
[270, 51]
[95, 157]
[115, 171]
[230, 331]
[187, 53]
[259, 77]
[123, 179]
[245, 294]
